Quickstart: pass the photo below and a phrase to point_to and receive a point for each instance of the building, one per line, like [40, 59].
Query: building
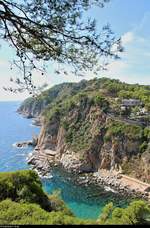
[131, 102]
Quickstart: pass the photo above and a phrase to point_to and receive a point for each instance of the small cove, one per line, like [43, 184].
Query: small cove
[85, 201]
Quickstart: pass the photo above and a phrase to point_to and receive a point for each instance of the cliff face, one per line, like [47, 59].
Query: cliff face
[85, 139]
[32, 107]
[82, 125]
[139, 166]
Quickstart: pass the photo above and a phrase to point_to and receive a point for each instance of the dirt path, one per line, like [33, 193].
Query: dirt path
[132, 183]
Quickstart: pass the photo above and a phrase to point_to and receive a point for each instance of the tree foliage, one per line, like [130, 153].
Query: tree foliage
[24, 186]
[136, 213]
[21, 207]
[56, 30]
[32, 214]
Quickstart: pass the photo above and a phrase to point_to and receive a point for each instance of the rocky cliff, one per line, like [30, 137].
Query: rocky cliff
[33, 107]
[79, 133]
[86, 139]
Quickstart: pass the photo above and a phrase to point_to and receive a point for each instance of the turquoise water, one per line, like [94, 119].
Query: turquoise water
[85, 202]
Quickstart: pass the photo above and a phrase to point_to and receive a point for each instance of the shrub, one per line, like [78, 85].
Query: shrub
[137, 212]
[26, 213]
[116, 128]
[24, 186]
[143, 146]
[58, 204]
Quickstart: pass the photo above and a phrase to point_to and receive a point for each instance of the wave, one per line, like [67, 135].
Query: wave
[47, 176]
[31, 125]
[19, 147]
[28, 156]
[22, 154]
[108, 189]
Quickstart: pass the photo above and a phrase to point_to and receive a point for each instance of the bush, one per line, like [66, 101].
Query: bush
[137, 212]
[26, 213]
[101, 102]
[116, 128]
[24, 202]
[143, 146]
[24, 186]
[58, 204]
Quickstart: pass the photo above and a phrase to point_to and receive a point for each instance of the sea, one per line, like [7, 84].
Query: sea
[84, 201]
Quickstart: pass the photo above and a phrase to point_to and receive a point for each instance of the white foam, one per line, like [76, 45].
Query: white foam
[47, 176]
[19, 147]
[29, 156]
[108, 189]
[31, 125]
[22, 154]
[14, 145]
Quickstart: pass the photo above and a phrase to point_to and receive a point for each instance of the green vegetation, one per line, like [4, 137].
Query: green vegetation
[68, 103]
[127, 131]
[26, 213]
[22, 201]
[105, 87]
[122, 130]
[138, 212]
[24, 186]
[19, 206]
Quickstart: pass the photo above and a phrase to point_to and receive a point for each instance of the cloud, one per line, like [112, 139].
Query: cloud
[127, 38]
[117, 66]
[133, 67]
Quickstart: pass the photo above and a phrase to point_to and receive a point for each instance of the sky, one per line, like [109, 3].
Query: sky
[129, 19]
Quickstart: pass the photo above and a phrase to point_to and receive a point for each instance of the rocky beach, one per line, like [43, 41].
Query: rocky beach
[85, 135]
[44, 162]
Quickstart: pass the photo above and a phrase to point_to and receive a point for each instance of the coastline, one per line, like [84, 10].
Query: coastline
[43, 161]
[113, 181]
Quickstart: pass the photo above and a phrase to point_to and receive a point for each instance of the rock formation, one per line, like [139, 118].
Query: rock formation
[78, 127]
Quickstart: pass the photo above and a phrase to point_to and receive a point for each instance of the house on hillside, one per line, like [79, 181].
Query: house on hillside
[131, 102]
[143, 111]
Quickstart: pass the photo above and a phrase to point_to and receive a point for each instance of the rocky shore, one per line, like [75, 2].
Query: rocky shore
[44, 161]
[112, 182]
[23, 144]
[87, 141]
[41, 161]
[36, 122]
[117, 182]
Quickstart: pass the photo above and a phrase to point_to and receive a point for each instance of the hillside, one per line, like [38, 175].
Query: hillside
[92, 125]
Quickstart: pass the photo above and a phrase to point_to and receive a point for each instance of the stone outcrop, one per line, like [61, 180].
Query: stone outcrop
[81, 128]
[100, 154]
[32, 143]
[139, 167]
[41, 161]
[32, 108]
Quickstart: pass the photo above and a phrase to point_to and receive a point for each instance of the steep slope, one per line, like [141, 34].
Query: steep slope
[86, 138]
[84, 128]
[33, 107]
